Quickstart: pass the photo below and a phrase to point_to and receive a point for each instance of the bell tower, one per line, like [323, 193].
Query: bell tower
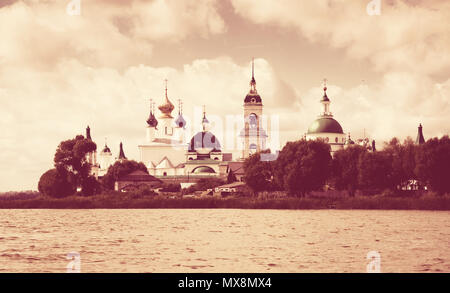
[253, 136]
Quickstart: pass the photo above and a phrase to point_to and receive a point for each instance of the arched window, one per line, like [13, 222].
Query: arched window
[203, 169]
[336, 140]
[165, 174]
[253, 120]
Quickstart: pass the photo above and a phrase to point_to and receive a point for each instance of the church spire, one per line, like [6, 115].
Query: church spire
[253, 81]
[420, 139]
[325, 100]
[122, 153]
[88, 133]
[253, 97]
[205, 121]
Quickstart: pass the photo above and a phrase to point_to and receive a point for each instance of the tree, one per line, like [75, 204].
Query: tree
[171, 187]
[56, 184]
[231, 177]
[258, 175]
[303, 166]
[90, 186]
[433, 164]
[345, 168]
[71, 157]
[375, 171]
[119, 169]
[402, 159]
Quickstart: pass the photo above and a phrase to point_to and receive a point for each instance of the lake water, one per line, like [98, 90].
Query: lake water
[217, 240]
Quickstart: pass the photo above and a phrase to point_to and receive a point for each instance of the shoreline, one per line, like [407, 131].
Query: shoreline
[436, 203]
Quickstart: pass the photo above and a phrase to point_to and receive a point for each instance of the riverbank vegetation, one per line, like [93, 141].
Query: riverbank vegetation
[305, 166]
[428, 201]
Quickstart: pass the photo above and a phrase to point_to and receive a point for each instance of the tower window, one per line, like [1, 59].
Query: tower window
[253, 120]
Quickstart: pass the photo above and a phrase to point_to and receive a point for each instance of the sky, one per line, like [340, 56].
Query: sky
[65, 66]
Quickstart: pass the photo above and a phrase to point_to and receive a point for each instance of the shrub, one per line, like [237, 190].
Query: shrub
[56, 184]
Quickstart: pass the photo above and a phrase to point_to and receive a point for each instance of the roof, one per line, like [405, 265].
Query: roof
[180, 122]
[106, 149]
[227, 157]
[151, 121]
[325, 125]
[204, 140]
[138, 176]
[325, 98]
[165, 163]
[420, 139]
[236, 167]
[253, 98]
[232, 185]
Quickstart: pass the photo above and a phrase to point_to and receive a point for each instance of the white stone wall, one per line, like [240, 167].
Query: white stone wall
[155, 153]
[335, 140]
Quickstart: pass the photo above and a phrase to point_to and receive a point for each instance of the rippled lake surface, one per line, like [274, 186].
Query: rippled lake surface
[215, 240]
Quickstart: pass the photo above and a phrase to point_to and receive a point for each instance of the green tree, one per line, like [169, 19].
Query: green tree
[433, 164]
[258, 175]
[375, 171]
[119, 169]
[345, 168]
[56, 184]
[402, 159]
[71, 157]
[303, 166]
[90, 186]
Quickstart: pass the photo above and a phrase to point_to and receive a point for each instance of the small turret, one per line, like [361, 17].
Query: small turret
[205, 121]
[420, 139]
[349, 141]
[180, 122]
[151, 121]
[122, 153]
[167, 107]
[88, 133]
[325, 100]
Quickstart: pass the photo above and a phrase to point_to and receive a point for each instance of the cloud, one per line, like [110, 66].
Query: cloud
[404, 37]
[103, 34]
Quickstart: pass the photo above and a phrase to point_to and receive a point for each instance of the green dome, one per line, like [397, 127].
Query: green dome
[203, 169]
[325, 124]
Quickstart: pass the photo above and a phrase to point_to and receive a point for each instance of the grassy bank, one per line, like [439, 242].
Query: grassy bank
[125, 202]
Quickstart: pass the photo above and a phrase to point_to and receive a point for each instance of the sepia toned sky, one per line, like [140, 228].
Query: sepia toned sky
[59, 72]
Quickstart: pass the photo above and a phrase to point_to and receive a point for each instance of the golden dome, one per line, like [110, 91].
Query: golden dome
[166, 108]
